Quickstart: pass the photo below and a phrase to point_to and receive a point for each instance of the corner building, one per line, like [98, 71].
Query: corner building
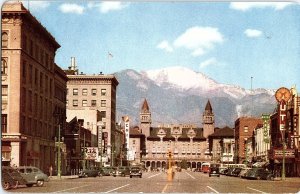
[187, 142]
[33, 88]
[92, 98]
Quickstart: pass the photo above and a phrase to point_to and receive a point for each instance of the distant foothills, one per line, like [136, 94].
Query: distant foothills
[179, 95]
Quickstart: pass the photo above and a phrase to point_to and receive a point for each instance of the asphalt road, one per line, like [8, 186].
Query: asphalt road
[156, 182]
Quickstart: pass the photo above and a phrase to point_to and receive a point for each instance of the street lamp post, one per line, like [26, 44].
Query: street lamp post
[58, 144]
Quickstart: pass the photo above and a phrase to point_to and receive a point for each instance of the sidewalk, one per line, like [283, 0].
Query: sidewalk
[64, 177]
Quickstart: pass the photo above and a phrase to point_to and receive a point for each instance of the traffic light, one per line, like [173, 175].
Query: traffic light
[170, 154]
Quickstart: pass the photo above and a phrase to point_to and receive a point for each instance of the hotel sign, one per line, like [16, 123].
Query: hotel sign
[126, 120]
[282, 115]
[278, 153]
[266, 127]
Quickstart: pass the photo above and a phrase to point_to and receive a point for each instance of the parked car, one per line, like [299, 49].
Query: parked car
[107, 171]
[91, 172]
[121, 171]
[7, 181]
[224, 171]
[229, 172]
[259, 173]
[236, 171]
[214, 171]
[11, 178]
[136, 171]
[33, 175]
[243, 172]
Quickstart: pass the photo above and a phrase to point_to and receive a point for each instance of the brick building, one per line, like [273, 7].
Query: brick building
[33, 88]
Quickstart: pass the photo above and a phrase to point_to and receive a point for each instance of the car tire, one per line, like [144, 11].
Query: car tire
[6, 185]
[130, 176]
[141, 176]
[16, 185]
[29, 185]
[40, 183]
[271, 178]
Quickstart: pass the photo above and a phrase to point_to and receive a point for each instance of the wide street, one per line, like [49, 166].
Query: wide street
[156, 182]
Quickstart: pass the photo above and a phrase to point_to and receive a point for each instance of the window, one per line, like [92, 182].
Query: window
[3, 66]
[84, 92]
[102, 114]
[75, 103]
[133, 142]
[4, 123]
[103, 92]
[75, 92]
[4, 39]
[4, 89]
[41, 81]
[25, 43]
[84, 103]
[36, 75]
[103, 103]
[94, 92]
[246, 129]
[31, 47]
[30, 73]
[30, 100]
[94, 103]
[24, 72]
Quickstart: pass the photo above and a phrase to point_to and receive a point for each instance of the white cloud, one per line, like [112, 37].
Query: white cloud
[199, 39]
[36, 5]
[208, 62]
[244, 6]
[252, 33]
[71, 8]
[164, 45]
[108, 6]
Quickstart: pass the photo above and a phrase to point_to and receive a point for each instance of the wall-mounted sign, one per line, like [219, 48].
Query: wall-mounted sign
[282, 94]
[126, 120]
[282, 115]
[266, 127]
[278, 153]
[91, 153]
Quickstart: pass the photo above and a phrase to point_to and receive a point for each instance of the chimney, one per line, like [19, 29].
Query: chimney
[73, 64]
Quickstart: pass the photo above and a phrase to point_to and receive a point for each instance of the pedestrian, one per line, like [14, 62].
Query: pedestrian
[50, 170]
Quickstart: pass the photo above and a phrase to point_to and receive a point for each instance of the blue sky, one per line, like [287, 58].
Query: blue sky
[229, 42]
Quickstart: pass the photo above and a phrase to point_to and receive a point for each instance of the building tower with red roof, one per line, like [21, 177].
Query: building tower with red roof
[208, 120]
[145, 119]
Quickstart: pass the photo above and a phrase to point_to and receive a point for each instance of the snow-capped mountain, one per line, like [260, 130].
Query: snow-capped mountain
[179, 95]
[187, 80]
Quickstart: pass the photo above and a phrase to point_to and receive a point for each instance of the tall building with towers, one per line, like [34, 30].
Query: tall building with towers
[187, 142]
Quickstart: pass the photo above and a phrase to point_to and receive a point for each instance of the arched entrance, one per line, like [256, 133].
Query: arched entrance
[153, 166]
[147, 163]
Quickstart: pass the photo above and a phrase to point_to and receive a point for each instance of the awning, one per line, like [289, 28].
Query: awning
[6, 148]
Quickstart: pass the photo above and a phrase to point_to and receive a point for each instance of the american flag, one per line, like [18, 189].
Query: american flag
[110, 55]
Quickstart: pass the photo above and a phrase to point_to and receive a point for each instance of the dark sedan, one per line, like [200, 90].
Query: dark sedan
[91, 172]
[214, 171]
[259, 173]
[136, 171]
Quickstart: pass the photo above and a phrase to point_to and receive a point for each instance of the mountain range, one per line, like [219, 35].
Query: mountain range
[179, 95]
